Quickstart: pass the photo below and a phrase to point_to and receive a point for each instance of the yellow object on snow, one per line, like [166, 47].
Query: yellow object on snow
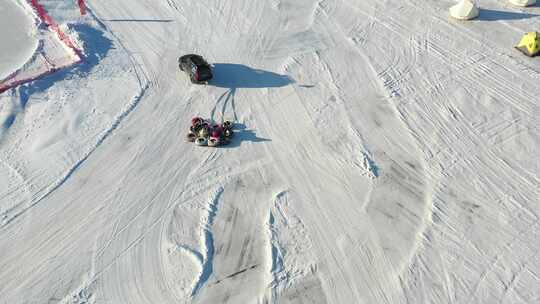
[530, 44]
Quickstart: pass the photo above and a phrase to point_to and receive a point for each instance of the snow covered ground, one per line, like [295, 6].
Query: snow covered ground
[384, 154]
[18, 43]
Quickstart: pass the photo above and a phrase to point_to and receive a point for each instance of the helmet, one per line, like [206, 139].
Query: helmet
[191, 136]
[196, 121]
[213, 141]
[203, 132]
[216, 131]
[227, 124]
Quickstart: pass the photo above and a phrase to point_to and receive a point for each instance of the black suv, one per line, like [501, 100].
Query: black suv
[196, 67]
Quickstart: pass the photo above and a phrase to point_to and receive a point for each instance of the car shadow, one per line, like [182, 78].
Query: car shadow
[495, 15]
[237, 76]
[140, 20]
[242, 134]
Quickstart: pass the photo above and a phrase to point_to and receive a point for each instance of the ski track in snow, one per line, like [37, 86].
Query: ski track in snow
[384, 154]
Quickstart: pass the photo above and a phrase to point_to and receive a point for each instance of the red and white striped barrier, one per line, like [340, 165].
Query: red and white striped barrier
[82, 7]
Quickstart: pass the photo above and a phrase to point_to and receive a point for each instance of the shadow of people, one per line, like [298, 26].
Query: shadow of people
[242, 134]
[236, 76]
[495, 15]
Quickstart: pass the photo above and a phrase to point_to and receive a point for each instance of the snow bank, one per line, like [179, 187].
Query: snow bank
[17, 36]
[55, 50]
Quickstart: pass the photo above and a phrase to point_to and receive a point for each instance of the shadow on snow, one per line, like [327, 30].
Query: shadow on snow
[95, 48]
[495, 15]
[241, 134]
[237, 76]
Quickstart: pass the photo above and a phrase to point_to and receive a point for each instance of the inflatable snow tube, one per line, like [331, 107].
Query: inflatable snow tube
[213, 141]
[201, 141]
[191, 137]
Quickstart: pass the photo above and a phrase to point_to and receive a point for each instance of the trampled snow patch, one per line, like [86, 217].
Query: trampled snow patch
[81, 295]
[369, 165]
[288, 258]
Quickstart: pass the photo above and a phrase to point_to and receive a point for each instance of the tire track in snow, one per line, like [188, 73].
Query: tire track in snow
[239, 239]
[11, 192]
[72, 240]
[480, 68]
[302, 171]
[393, 167]
[224, 100]
[476, 65]
[335, 204]
[459, 62]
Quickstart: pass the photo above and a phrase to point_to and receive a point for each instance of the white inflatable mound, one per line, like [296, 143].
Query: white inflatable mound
[201, 141]
[523, 2]
[464, 10]
[213, 141]
[18, 40]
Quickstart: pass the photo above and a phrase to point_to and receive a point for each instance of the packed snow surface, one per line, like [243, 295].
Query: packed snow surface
[18, 43]
[385, 153]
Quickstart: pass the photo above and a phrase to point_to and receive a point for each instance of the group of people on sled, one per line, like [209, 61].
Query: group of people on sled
[207, 133]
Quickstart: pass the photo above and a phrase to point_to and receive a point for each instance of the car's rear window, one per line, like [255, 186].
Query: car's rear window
[198, 60]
